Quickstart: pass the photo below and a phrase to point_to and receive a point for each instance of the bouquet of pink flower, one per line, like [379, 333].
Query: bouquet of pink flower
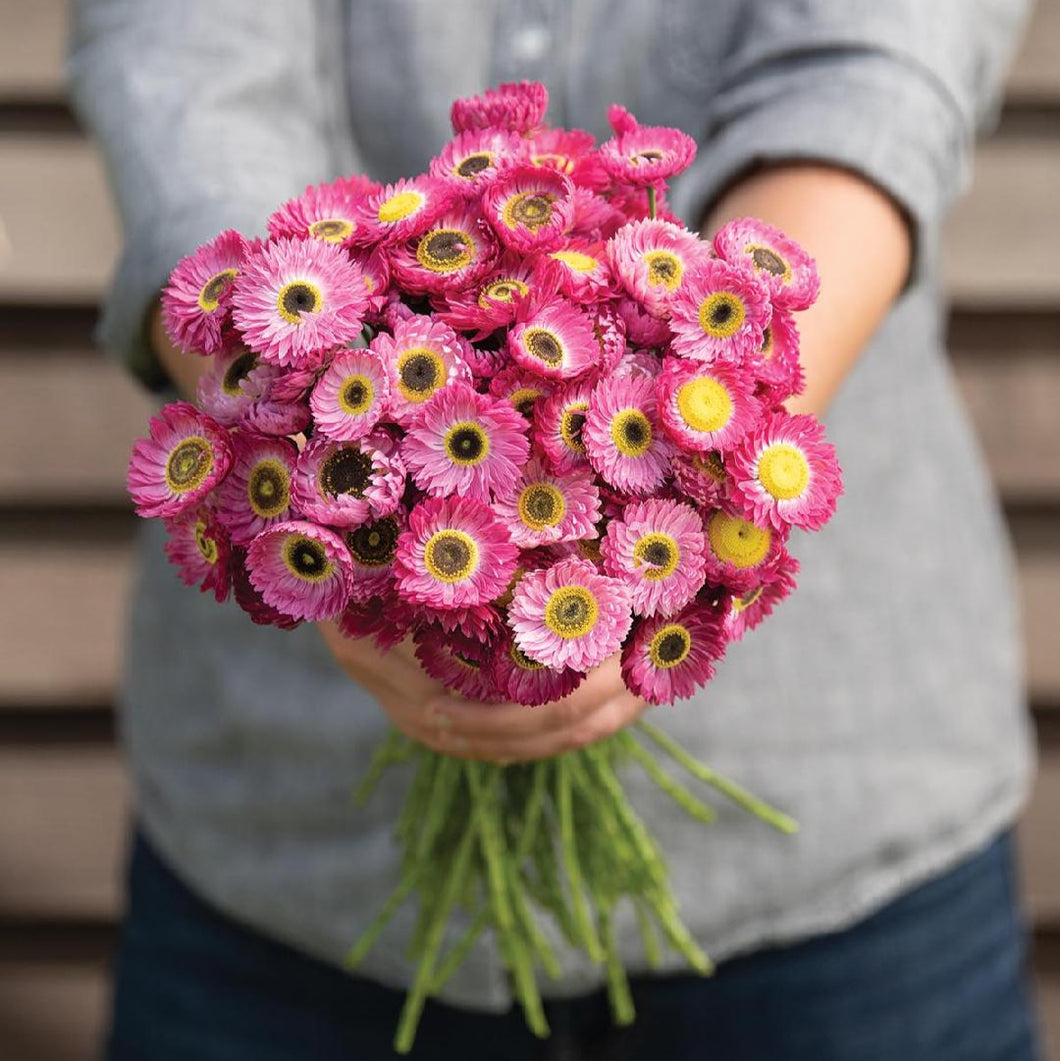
[512, 409]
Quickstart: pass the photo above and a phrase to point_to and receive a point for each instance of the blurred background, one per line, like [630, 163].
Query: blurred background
[66, 527]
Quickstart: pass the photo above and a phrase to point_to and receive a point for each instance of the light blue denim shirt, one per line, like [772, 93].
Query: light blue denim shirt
[881, 705]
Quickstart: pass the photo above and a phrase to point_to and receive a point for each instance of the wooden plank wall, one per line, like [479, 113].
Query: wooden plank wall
[65, 527]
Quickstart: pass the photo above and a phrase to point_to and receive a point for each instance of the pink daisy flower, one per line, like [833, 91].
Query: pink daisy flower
[492, 303]
[740, 554]
[559, 423]
[705, 406]
[257, 493]
[569, 615]
[489, 356]
[400, 211]
[372, 548]
[518, 107]
[645, 155]
[467, 444]
[656, 548]
[521, 389]
[523, 680]
[777, 367]
[582, 269]
[701, 477]
[351, 396]
[199, 547]
[719, 314]
[421, 357]
[623, 438]
[546, 507]
[530, 208]
[326, 212]
[471, 161]
[197, 299]
[232, 382]
[386, 619]
[555, 341]
[375, 272]
[668, 659]
[250, 600]
[786, 474]
[453, 253]
[746, 612]
[780, 263]
[278, 418]
[296, 299]
[594, 218]
[638, 363]
[455, 554]
[301, 570]
[343, 484]
[651, 259]
[570, 152]
[480, 622]
[642, 329]
[610, 331]
[186, 455]
[457, 661]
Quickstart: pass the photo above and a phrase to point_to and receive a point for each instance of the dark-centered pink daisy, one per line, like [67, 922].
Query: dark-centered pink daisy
[702, 477]
[786, 473]
[656, 547]
[747, 611]
[459, 662]
[706, 406]
[555, 341]
[250, 600]
[569, 615]
[530, 208]
[516, 106]
[559, 423]
[296, 299]
[669, 658]
[301, 569]
[740, 554]
[185, 456]
[583, 272]
[570, 152]
[400, 211]
[452, 254]
[199, 547]
[257, 492]
[372, 547]
[196, 301]
[466, 443]
[471, 161]
[523, 680]
[351, 396]
[521, 389]
[719, 314]
[645, 155]
[546, 507]
[651, 259]
[421, 357]
[623, 438]
[493, 301]
[232, 382]
[780, 263]
[343, 484]
[454, 554]
[326, 212]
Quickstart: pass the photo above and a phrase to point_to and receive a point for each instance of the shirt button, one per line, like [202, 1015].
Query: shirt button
[531, 43]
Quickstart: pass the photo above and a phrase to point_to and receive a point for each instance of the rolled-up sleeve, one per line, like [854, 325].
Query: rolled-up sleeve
[209, 116]
[893, 91]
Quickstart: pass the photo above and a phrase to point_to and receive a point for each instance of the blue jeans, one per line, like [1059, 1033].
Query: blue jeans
[935, 976]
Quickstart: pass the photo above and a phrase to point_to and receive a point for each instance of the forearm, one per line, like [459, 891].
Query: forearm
[862, 245]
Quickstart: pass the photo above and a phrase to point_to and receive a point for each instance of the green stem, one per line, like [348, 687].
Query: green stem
[439, 805]
[618, 992]
[680, 938]
[461, 949]
[677, 792]
[570, 861]
[486, 821]
[759, 808]
[393, 903]
[524, 920]
[647, 932]
[535, 803]
[651, 201]
[388, 752]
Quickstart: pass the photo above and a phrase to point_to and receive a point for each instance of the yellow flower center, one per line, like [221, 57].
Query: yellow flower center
[420, 372]
[670, 646]
[446, 250]
[739, 603]
[298, 297]
[570, 426]
[576, 260]
[207, 546]
[210, 295]
[571, 612]
[450, 555]
[721, 314]
[466, 443]
[659, 554]
[530, 209]
[503, 289]
[541, 505]
[521, 659]
[737, 541]
[356, 395]
[523, 399]
[783, 471]
[331, 229]
[269, 487]
[711, 465]
[704, 404]
[664, 269]
[400, 206]
[306, 558]
[631, 433]
[563, 163]
[189, 463]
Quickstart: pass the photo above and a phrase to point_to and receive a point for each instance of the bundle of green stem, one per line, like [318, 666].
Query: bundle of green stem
[556, 838]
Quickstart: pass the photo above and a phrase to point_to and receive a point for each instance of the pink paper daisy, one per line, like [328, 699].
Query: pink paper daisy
[401, 211]
[610, 331]
[570, 152]
[422, 357]
[642, 329]
[516, 106]
[523, 680]
[250, 600]
[584, 275]
[386, 619]
[656, 548]
[638, 363]
[372, 549]
[185, 457]
[651, 259]
[521, 389]
[467, 444]
[326, 212]
[623, 438]
[780, 263]
[746, 612]
[257, 493]
[530, 208]
[719, 314]
[197, 299]
[455, 554]
[199, 547]
[453, 253]
[705, 406]
[546, 507]
[701, 477]
[351, 396]
[559, 424]
[301, 570]
[460, 663]
[234, 380]
[492, 302]
[375, 271]
[343, 484]
[555, 341]
[786, 474]
[594, 218]
[740, 554]
[777, 367]
[471, 161]
[668, 659]
[645, 155]
[569, 615]
[480, 622]
[277, 418]
[296, 299]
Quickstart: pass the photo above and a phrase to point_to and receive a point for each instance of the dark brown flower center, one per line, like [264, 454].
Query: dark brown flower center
[238, 371]
[769, 261]
[672, 646]
[299, 298]
[268, 488]
[532, 210]
[474, 164]
[446, 246]
[419, 373]
[373, 544]
[346, 471]
[543, 345]
[307, 558]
